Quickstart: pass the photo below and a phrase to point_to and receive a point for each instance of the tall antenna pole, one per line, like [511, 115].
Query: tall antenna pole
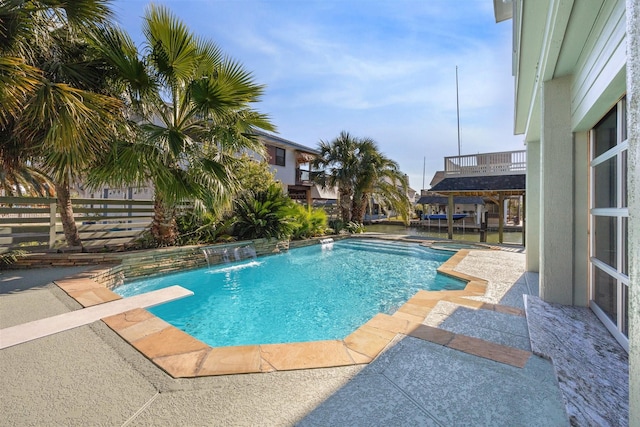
[424, 168]
[458, 110]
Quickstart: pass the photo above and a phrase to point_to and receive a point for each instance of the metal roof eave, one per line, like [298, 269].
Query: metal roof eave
[278, 140]
[489, 194]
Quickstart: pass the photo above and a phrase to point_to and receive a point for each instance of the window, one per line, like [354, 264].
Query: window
[279, 157]
[276, 155]
[604, 184]
[609, 222]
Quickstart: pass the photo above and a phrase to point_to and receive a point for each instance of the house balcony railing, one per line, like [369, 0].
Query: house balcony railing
[501, 163]
[305, 177]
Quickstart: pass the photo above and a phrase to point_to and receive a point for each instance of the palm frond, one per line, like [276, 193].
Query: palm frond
[119, 51]
[126, 163]
[239, 81]
[79, 12]
[210, 58]
[26, 180]
[173, 49]
[72, 125]
[17, 81]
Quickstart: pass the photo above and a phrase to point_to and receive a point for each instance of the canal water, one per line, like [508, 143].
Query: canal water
[511, 237]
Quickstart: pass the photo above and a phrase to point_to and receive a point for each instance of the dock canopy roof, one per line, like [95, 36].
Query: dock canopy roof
[482, 185]
[439, 200]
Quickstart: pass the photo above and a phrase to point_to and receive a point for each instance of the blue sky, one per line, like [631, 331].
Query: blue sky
[378, 69]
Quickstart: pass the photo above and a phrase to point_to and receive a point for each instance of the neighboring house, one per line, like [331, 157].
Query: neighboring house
[376, 210]
[291, 163]
[437, 177]
[413, 195]
[576, 69]
[129, 193]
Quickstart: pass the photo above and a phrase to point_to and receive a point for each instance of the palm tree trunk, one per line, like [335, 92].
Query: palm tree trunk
[164, 228]
[66, 214]
[345, 205]
[358, 209]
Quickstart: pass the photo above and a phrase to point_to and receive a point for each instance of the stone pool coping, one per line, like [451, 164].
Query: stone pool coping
[182, 356]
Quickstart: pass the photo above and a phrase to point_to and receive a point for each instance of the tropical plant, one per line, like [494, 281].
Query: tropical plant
[307, 223]
[338, 159]
[194, 108]
[380, 178]
[10, 257]
[214, 225]
[58, 113]
[360, 171]
[196, 227]
[263, 214]
[336, 225]
[24, 180]
[354, 227]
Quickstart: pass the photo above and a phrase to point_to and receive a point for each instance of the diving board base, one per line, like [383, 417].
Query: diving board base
[25, 332]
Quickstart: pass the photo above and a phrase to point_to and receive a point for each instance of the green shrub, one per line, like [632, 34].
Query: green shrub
[195, 228]
[263, 214]
[252, 174]
[307, 223]
[336, 226]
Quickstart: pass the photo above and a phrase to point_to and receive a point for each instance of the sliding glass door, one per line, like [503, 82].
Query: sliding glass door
[609, 218]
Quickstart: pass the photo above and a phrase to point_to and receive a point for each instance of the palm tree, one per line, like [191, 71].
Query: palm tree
[194, 106]
[338, 159]
[357, 168]
[379, 177]
[57, 112]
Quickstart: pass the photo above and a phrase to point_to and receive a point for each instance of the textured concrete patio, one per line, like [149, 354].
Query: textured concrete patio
[90, 375]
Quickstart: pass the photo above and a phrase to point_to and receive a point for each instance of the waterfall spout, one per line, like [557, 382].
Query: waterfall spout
[224, 255]
[327, 243]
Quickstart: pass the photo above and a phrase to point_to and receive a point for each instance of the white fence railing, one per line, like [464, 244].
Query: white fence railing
[33, 223]
[501, 163]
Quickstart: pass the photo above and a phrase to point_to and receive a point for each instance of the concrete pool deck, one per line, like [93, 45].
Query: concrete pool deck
[89, 375]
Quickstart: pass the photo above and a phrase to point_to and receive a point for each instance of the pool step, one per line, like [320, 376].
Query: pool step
[389, 248]
[455, 312]
[357, 244]
[490, 322]
[456, 383]
[396, 245]
[380, 243]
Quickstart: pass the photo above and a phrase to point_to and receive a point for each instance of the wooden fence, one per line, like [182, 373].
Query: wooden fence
[33, 223]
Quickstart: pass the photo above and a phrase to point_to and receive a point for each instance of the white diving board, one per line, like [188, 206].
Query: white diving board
[29, 331]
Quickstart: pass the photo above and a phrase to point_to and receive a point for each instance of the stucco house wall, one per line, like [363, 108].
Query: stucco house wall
[573, 63]
[286, 174]
[633, 120]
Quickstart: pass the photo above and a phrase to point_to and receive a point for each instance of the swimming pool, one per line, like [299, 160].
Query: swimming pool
[306, 294]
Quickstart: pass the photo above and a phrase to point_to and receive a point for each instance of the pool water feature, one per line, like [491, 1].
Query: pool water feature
[319, 292]
[226, 255]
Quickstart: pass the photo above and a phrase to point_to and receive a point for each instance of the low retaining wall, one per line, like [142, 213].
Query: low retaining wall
[109, 277]
[154, 261]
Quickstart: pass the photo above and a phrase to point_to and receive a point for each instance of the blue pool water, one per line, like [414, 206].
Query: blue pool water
[307, 294]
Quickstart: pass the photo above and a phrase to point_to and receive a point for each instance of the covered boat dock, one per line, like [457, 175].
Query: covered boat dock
[494, 187]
